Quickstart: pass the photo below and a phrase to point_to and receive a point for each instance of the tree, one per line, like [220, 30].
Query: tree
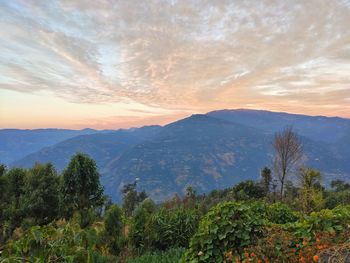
[139, 222]
[339, 185]
[16, 185]
[288, 153]
[3, 196]
[113, 228]
[81, 188]
[311, 195]
[340, 194]
[247, 190]
[266, 178]
[2, 169]
[41, 197]
[190, 192]
[13, 184]
[132, 198]
[291, 193]
[3, 186]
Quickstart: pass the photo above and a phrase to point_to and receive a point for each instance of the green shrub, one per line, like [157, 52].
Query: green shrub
[84, 218]
[248, 190]
[335, 220]
[113, 227]
[171, 228]
[138, 224]
[65, 242]
[137, 229]
[227, 226]
[335, 198]
[170, 256]
[280, 213]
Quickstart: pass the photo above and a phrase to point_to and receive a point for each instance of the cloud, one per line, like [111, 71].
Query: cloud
[177, 54]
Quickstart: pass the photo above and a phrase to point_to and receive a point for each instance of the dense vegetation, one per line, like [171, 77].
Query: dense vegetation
[50, 217]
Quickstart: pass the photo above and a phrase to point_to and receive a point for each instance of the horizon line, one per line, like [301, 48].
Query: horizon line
[149, 125]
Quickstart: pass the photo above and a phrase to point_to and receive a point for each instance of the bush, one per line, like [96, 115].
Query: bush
[227, 226]
[305, 239]
[280, 213]
[113, 227]
[138, 225]
[64, 242]
[248, 190]
[335, 198]
[171, 228]
[170, 256]
[280, 245]
[335, 220]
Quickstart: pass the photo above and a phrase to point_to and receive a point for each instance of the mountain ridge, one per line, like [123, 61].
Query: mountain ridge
[279, 112]
[207, 151]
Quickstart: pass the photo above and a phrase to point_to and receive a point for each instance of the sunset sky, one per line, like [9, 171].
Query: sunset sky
[111, 64]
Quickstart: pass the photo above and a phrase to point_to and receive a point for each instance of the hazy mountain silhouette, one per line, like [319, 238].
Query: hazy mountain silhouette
[16, 144]
[103, 147]
[208, 151]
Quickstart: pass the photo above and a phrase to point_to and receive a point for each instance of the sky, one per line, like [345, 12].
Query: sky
[126, 63]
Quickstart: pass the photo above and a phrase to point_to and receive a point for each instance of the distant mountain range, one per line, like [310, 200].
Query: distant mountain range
[16, 144]
[209, 151]
[102, 146]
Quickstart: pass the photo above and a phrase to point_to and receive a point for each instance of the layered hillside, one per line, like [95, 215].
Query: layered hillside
[16, 144]
[103, 147]
[201, 151]
[317, 128]
[208, 151]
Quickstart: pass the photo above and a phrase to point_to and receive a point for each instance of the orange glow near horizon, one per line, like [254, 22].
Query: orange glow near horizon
[34, 112]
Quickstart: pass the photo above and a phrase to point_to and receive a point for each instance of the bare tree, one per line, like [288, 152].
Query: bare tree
[288, 153]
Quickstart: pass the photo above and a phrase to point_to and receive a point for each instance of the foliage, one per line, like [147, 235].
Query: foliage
[139, 223]
[40, 200]
[81, 188]
[339, 185]
[113, 229]
[2, 169]
[294, 239]
[211, 227]
[266, 178]
[292, 195]
[334, 221]
[228, 225]
[280, 245]
[280, 213]
[334, 199]
[248, 190]
[13, 186]
[171, 228]
[311, 196]
[169, 256]
[340, 194]
[61, 242]
[132, 198]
